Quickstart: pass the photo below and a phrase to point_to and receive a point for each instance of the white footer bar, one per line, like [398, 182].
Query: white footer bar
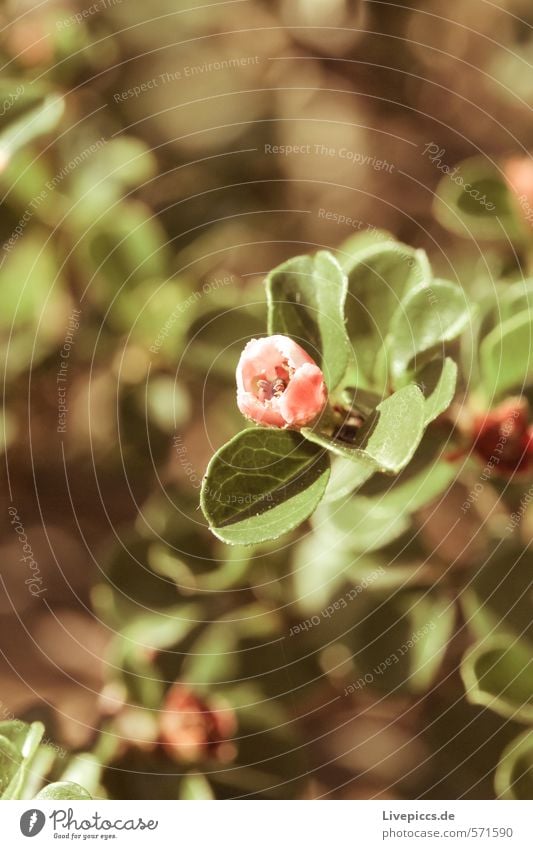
[268, 825]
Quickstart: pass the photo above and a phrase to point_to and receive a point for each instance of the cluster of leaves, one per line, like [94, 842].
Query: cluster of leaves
[377, 323]
[25, 762]
[380, 323]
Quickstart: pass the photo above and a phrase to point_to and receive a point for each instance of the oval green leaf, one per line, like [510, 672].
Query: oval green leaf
[262, 484]
[506, 355]
[473, 200]
[67, 790]
[306, 298]
[428, 317]
[379, 277]
[389, 438]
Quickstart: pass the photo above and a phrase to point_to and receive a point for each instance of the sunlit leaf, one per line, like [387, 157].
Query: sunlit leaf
[26, 740]
[475, 202]
[378, 279]
[360, 241]
[498, 673]
[388, 439]
[437, 381]
[35, 309]
[10, 759]
[359, 523]
[428, 317]
[40, 118]
[195, 786]
[66, 790]
[505, 355]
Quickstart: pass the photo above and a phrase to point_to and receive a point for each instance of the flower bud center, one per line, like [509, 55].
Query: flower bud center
[269, 389]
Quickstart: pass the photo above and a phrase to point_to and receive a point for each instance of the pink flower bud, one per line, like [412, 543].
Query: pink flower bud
[278, 384]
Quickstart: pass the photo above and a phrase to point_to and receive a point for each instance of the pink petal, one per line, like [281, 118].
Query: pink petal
[260, 357]
[253, 409]
[291, 351]
[263, 356]
[304, 397]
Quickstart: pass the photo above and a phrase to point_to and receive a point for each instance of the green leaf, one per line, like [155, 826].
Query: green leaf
[38, 120]
[167, 403]
[195, 786]
[347, 475]
[126, 160]
[262, 484]
[42, 763]
[381, 511]
[477, 203]
[378, 279]
[499, 675]
[127, 245]
[10, 759]
[402, 573]
[506, 355]
[15, 731]
[428, 317]
[63, 790]
[213, 657]
[26, 739]
[516, 298]
[306, 298]
[84, 770]
[319, 568]
[389, 438]
[105, 175]
[231, 569]
[132, 649]
[354, 245]
[151, 632]
[414, 487]
[135, 585]
[437, 380]
[513, 778]
[428, 652]
[35, 309]
[360, 524]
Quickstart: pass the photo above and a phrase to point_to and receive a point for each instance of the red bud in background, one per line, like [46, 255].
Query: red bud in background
[193, 729]
[503, 437]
